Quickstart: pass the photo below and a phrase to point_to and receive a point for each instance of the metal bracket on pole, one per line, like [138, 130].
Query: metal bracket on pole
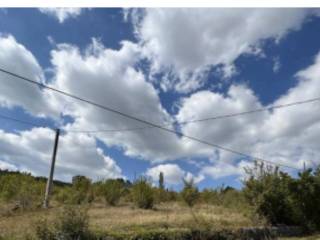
[50, 178]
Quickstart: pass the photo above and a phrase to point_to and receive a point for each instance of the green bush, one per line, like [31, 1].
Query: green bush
[43, 230]
[70, 224]
[305, 191]
[62, 195]
[282, 199]
[112, 191]
[267, 190]
[142, 194]
[22, 189]
[190, 193]
[81, 190]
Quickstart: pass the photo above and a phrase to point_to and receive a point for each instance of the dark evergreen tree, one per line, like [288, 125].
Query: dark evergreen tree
[161, 181]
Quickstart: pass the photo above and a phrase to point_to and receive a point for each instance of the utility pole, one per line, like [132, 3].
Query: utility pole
[50, 178]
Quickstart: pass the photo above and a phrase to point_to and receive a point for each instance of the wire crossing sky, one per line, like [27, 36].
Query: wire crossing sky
[161, 127]
[221, 94]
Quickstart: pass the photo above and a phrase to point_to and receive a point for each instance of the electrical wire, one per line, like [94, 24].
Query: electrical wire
[20, 121]
[204, 119]
[109, 109]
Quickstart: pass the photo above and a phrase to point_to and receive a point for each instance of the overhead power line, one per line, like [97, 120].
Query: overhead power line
[230, 115]
[106, 108]
[20, 121]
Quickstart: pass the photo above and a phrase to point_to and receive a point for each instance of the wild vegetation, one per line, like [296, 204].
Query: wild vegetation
[120, 208]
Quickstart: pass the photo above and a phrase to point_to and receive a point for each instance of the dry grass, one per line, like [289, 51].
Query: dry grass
[126, 218]
[165, 216]
[315, 237]
[19, 224]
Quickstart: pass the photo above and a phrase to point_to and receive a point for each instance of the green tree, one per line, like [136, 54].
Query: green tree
[112, 191]
[81, 188]
[21, 188]
[81, 183]
[267, 190]
[190, 193]
[305, 191]
[161, 181]
[142, 194]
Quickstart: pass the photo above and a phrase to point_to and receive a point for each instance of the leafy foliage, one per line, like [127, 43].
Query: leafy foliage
[161, 181]
[71, 223]
[22, 189]
[113, 189]
[81, 190]
[142, 194]
[282, 199]
[190, 193]
[305, 192]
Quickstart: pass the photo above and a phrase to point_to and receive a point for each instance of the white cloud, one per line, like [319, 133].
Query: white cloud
[112, 80]
[77, 154]
[7, 166]
[285, 136]
[185, 43]
[108, 77]
[62, 14]
[222, 169]
[237, 133]
[173, 174]
[16, 58]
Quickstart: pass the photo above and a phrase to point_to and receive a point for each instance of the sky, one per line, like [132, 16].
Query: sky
[165, 66]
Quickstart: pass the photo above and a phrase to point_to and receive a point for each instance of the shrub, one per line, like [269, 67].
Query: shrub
[43, 230]
[267, 190]
[210, 196]
[70, 224]
[305, 192]
[190, 193]
[112, 191]
[62, 195]
[160, 195]
[21, 188]
[81, 190]
[81, 183]
[142, 194]
[171, 195]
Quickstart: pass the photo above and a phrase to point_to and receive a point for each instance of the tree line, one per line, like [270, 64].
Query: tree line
[268, 194]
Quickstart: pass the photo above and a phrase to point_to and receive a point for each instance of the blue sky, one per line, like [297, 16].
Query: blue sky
[163, 66]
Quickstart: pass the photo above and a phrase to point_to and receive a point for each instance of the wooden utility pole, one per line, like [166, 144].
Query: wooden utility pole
[50, 178]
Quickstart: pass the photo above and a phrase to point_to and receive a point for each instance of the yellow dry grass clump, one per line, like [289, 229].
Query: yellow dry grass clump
[126, 218]
[169, 215]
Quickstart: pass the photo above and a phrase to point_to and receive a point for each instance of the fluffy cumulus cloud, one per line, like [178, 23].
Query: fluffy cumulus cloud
[77, 154]
[236, 133]
[285, 136]
[16, 58]
[108, 77]
[7, 166]
[222, 169]
[173, 174]
[62, 14]
[185, 43]
[290, 134]
[112, 78]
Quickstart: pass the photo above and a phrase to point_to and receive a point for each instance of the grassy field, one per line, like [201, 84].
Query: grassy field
[125, 218]
[315, 237]
[83, 209]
